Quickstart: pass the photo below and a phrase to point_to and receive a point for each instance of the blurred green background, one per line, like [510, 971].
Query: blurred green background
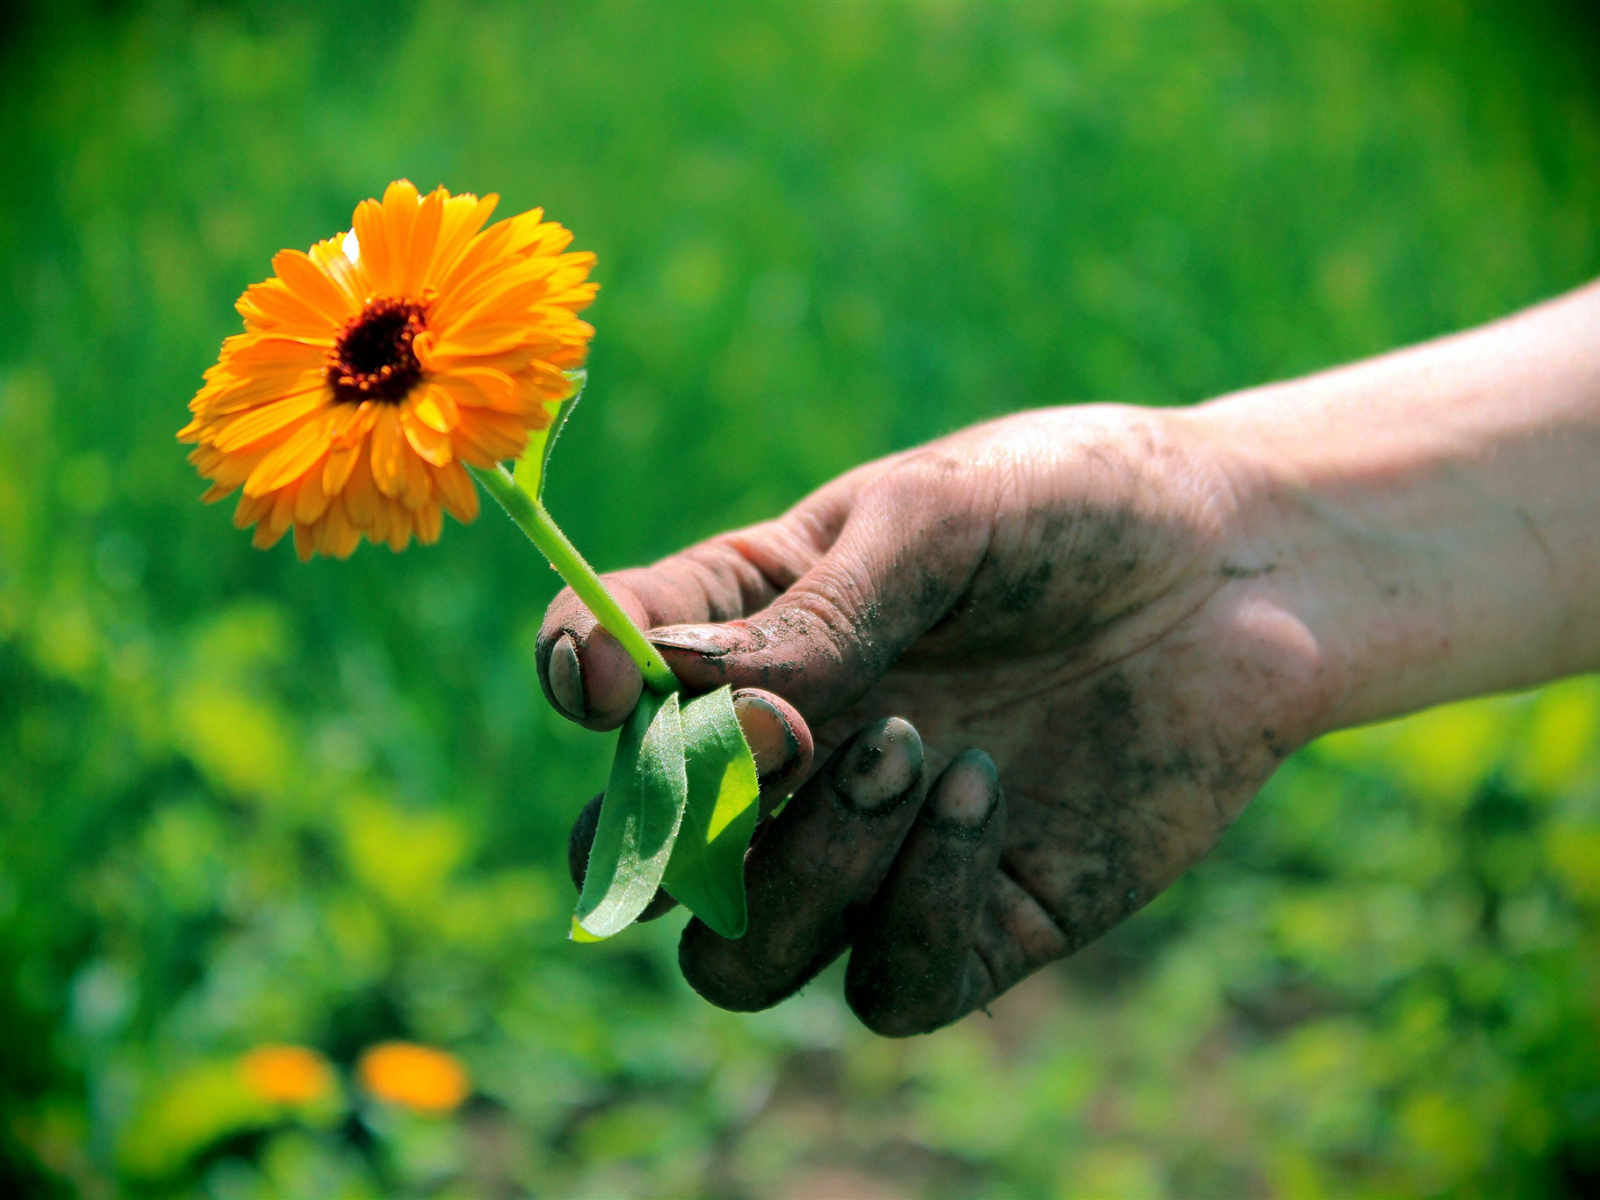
[246, 801]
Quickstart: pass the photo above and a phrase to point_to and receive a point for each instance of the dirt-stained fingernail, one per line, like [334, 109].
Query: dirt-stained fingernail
[566, 678]
[881, 767]
[772, 742]
[967, 792]
[709, 641]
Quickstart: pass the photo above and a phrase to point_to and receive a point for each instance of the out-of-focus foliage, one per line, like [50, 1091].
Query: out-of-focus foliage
[245, 801]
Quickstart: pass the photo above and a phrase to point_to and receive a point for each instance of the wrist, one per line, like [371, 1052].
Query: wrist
[1337, 525]
[1435, 512]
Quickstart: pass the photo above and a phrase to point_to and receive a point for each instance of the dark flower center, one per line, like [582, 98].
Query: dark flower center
[373, 358]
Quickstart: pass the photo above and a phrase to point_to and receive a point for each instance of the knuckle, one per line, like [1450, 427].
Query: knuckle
[932, 482]
[939, 510]
[823, 612]
[917, 474]
[731, 583]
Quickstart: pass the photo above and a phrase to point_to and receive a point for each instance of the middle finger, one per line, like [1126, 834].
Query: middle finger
[821, 859]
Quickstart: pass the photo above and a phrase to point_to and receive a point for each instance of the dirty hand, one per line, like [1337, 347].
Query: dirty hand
[1049, 659]
[1042, 672]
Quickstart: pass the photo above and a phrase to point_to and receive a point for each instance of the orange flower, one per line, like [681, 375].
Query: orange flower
[373, 368]
[418, 1077]
[287, 1074]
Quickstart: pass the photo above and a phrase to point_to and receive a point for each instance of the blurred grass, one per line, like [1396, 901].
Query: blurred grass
[244, 800]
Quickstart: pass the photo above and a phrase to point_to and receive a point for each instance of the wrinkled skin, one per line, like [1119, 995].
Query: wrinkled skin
[1074, 593]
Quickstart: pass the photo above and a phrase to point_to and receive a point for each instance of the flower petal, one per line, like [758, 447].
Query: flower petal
[282, 514]
[482, 339]
[483, 248]
[377, 529]
[487, 285]
[376, 257]
[278, 352]
[424, 240]
[388, 453]
[218, 399]
[399, 215]
[456, 491]
[270, 304]
[494, 437]
[464, 216]
[229, 470]
[339, 536]
[312, 500]
[251, 509]
[336, 471]
[360, 494]
[267, 420]
[418, 488]
[348, 424]
[346, 275]
[265, 536]
[431, 445]
[430, 520]
[290, 459]
[312, 285]
[435, 409]
[399, 532]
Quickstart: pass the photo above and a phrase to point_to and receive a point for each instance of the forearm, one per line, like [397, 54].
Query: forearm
[1438, 509]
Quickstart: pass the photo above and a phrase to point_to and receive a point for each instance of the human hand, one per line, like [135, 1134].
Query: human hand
[1098, 630]
[1058, 618]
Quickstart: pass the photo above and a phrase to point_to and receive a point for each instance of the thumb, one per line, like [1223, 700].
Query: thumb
[901, 561]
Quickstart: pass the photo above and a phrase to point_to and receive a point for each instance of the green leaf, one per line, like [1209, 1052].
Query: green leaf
[706, 871]
[639, 819]
[530, 472]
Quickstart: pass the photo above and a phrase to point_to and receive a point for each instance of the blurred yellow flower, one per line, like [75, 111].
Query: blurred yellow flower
[419, 1077]
[287, 1074]
[374, 367]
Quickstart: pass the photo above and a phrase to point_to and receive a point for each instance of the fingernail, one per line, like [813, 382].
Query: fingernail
[772, 743]
[967, 791]
[882, 766]
[566, 678]
[711, 641]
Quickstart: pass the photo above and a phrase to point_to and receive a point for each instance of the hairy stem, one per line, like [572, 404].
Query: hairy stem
[532, 518]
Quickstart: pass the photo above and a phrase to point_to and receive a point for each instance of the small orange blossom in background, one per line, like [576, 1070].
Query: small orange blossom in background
[374, 367]
[418, 1077]
[287, 1074]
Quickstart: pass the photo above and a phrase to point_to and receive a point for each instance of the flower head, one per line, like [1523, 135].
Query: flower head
[374, 367]
[418, 1077]
[287, 1074]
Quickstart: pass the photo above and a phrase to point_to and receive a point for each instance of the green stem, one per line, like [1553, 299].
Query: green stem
[532, 518]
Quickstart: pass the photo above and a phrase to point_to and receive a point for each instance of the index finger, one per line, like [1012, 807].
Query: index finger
[588, 676]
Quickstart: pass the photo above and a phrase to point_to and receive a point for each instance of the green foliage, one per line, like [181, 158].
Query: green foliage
[673, 767]
[706, 871]
[680, 806]
[532, 467]
[245, 800]
[639, 820]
